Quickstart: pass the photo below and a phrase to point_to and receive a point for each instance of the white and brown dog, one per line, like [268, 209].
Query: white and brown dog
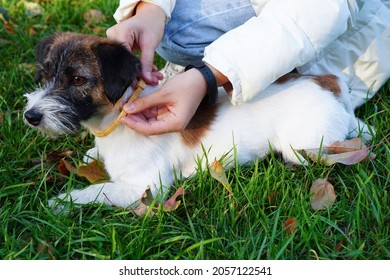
[85, 76]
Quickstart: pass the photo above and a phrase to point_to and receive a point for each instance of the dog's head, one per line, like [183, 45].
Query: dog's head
[82, 77]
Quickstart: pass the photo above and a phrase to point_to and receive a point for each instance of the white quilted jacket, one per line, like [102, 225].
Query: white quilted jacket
[348, 38]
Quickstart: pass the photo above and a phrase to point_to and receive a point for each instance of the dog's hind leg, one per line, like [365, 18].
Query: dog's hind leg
[358, 128]
[293, 156]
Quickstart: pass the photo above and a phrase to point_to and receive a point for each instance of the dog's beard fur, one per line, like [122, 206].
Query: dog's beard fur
[58, 118]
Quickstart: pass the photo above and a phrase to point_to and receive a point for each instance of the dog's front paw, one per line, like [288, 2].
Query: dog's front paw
[109, 193]
[63, 202]
[59, 205]
[91, 155]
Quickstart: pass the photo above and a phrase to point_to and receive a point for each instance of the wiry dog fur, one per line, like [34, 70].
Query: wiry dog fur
[84, 76]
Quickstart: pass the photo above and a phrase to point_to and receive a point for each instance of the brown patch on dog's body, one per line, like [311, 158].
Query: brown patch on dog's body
[199, 124]
[329, 82]
[288, 77]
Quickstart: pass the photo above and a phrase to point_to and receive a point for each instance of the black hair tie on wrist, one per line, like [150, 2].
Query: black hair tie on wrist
[212, 89]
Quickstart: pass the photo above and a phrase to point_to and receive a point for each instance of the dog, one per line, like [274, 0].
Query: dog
[85, 77]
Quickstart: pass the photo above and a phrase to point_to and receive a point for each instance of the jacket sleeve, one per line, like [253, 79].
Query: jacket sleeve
[126, 8]
[284, 35]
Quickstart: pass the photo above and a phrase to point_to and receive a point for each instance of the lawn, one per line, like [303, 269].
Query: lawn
[209, 223]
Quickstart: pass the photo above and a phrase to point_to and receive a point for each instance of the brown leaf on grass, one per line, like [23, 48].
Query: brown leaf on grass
[348, 152]
[64, 167]
[45, 249]
[346, 146]
[10, 28]
[172, 203]
[290, 226]
[8, 25]
[93, 17]
[348, 158]
[147, 201]
[323, 194]
[218, 173]
[55, 156]
[352, 145]
[94, 171]
[5, 19]
[340, 246]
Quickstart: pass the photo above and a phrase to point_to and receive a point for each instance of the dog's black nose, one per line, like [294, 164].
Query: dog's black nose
[33, 117]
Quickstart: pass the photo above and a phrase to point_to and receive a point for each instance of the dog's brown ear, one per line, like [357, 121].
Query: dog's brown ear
[41, 51]
[118, 68]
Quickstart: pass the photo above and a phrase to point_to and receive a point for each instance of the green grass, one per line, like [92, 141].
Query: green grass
[208, 224]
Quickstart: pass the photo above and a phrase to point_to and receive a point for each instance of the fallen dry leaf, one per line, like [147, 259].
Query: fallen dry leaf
[347, 152]
[147, 201]
[45, 249]
[63, 167]
[172, 203]
[56, 156]
[218, 173]
[10, 28]
[347, 158]
[346, 146]
[8, 25]
[290, 226]
[352, 145]
[323, 194]
[93, 16]
[94, 171]
[340, 246]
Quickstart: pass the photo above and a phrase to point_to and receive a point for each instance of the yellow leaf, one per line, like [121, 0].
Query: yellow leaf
[94, 172]
[218, 173]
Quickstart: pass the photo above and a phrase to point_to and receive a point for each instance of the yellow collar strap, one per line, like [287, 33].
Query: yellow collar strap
[140, 87]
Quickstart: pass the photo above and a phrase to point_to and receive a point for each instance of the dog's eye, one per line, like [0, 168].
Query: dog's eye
[79, 81]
